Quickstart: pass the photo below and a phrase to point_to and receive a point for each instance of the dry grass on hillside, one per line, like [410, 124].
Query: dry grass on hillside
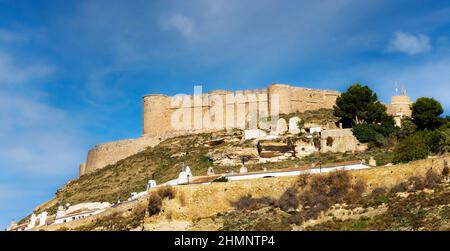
[163, 163]
[418, 203]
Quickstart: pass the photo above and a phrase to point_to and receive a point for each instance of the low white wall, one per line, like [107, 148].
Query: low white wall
[296, 172]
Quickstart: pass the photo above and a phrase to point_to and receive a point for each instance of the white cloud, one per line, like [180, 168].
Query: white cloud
[7, 36]
[429, 79]
[36, 137]
[184, 25]
[41, 138]
[410, 44]
[10, 73]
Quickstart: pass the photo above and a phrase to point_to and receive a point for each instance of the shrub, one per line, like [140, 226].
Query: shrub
[401, 187]
[166, 192]
[339, 185]
[417, 183]
[324, 191]
[377, 192]
[434, 140]
[370, 133]
[154, 204]
[296, 218]
[221, 179]
[377, 197]
[445, 171]
[302, 180]
[155, 199]
[268, 224]
[432, 179]
[411, 148]
[355, 195]
[426, 112]
[408, 128]
[206, 160]
[288, 200]
[247, 202]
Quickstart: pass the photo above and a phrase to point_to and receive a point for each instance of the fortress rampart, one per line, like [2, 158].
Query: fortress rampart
[110, 153]
[159, 110]
[240, 109]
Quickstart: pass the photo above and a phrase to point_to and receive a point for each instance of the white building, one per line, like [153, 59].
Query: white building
[80, 211]
[151, 184]
[32, 222]
[185, 176]
[42, 218]
[76, 216]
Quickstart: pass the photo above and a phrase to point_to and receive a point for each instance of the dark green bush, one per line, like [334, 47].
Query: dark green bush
[434, 140]
[408, 128]
[221, 179]
[426, 112]
[411, 148]
[370, 133]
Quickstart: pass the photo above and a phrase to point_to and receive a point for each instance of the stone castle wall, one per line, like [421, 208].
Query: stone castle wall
[110, 153]
[159, 110]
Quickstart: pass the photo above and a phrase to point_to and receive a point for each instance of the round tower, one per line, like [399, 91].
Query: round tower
[156, 114]
[401, 105]
[284, 97]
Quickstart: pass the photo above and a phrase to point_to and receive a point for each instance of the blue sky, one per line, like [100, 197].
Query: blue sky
[72, 73]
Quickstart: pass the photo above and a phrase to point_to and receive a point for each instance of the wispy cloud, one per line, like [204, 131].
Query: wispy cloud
[409, 43]
[13, 74]
[180, 23]
[8, 36]
[41, 139]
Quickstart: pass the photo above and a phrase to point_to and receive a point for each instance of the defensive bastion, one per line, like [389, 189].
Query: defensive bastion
[159, 110]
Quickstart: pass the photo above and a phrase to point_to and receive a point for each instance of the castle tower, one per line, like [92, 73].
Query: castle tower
[400, 107]
[156, 114]
[82, 169]
[284, 97]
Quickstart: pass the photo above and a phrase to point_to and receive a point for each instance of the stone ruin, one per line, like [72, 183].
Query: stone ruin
[287, 141]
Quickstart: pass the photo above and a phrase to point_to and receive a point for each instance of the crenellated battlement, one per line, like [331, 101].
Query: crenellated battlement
[166, 116]
[238, 105]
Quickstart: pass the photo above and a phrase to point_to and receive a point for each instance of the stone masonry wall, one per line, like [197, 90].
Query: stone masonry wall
[110, 153]
[159, 109]
[247, 109]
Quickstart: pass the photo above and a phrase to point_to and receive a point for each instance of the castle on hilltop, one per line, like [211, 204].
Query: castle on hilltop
[159, 110]
[166, 117]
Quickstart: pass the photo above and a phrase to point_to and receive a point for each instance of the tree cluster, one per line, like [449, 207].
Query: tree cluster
[425, 133]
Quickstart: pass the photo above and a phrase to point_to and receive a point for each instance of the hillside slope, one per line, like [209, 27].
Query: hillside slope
[163, 162]
[411, 196]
